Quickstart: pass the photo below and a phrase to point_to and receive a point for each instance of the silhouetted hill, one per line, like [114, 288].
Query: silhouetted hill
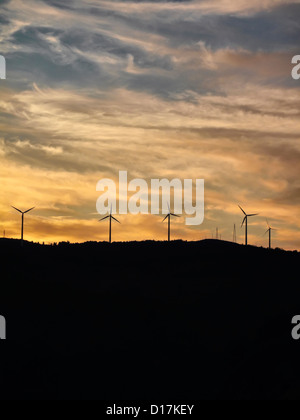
[149, 320]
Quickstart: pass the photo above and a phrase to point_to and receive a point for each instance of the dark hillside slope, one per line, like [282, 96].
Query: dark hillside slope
[149, 321]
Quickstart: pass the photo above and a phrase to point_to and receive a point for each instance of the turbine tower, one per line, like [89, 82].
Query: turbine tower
[270, 234]
[234, 234]
[169, 222]
[245, 221]
[23, 214]
[110, 217]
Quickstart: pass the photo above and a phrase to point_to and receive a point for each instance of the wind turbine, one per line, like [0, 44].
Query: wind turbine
[245, 221]
[110, 217]
[169, 222]
[270, 234]
[23, 213]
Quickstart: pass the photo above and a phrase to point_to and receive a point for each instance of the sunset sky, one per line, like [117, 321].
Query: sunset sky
[175, 89]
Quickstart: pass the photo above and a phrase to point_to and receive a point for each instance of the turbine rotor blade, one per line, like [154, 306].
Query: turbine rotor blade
[115, 219]
[242, 210]
[252, 215]
[166, 218]
[175, 215]
[245, 218]
[27, 211]
[104, 218]
[17, 209]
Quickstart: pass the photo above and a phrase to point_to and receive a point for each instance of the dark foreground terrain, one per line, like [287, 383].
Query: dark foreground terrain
[179, 321]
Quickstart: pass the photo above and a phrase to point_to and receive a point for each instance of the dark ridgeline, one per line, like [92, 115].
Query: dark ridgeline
[152, 321]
